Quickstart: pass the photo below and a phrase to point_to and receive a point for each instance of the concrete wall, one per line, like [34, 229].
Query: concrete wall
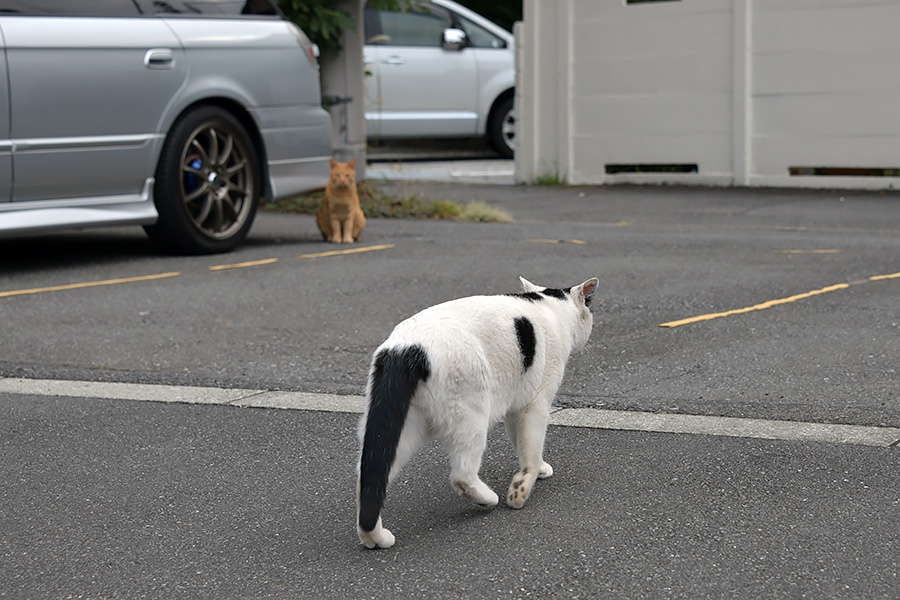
[746, 90]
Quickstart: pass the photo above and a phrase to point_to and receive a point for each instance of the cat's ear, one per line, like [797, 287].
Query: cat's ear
[584, 293]
[352, 164]
[332, 162]
[527, 286]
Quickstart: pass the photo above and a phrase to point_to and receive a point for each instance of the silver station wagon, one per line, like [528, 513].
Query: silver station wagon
[176, 115]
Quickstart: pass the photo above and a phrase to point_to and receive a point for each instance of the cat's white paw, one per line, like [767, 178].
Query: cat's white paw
[490, 499]
[377, 538]
[545, 471]
[479, 493]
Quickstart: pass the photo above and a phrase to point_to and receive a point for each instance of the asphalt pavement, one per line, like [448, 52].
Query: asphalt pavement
[110, 498]
[753, 455]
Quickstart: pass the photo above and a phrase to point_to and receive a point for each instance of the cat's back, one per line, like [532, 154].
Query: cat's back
[470, 320]
[497, 342]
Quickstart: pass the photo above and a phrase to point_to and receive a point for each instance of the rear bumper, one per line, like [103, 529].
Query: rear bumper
[298, 148]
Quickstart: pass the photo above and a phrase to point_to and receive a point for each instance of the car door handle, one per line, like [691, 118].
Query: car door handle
[159, 58]
[394, 60]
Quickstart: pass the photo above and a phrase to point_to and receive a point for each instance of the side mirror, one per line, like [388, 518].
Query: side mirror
[453, 39]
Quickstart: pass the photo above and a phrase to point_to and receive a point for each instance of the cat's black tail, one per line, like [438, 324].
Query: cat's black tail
[396, 373]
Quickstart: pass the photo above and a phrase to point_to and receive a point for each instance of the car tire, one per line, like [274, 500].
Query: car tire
[502, 128]
[208, 184]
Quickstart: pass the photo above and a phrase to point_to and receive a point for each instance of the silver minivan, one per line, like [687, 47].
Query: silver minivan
[176, 115]
[439, 70]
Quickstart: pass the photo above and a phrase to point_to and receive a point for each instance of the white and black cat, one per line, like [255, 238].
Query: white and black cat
[452, 371]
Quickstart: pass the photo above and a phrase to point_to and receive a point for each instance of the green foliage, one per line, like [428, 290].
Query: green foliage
[548, 179]
[482, 212]
[320, 20]
[324, 23]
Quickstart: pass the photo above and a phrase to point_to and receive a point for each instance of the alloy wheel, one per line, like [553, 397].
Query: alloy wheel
[217, 181]
[508, 129]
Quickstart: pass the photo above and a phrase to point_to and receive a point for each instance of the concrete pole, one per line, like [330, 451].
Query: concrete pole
[342, 79]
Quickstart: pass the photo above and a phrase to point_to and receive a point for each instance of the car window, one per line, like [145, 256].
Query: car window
[479, 37]
[133, 8]
[70, 8]
[418, 27]
[373, 26]
[208, 7]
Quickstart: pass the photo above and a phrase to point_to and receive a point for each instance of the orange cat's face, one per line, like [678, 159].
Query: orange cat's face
[343, 175]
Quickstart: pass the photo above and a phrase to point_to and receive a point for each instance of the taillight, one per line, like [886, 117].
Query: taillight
[309, 49]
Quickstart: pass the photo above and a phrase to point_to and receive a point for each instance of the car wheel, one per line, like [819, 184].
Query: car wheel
[207, 184]
[502, 128]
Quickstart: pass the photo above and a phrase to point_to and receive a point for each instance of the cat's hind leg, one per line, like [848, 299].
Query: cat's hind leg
[530, 428]
[388, 430]
[324, 223]
[359, 223]
[415, 434]
[465, 447]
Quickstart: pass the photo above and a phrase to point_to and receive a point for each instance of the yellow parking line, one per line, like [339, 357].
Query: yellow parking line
[268, 261]
[75, 286]
[351, 251]
[252, 263]
[881, 277]
[771, 303]
[822, 251]
[762, 306]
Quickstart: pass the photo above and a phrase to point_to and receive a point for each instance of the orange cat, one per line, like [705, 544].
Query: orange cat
[340, 219]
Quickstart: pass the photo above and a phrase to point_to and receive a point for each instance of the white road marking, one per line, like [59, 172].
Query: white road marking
[727, 426]
[126, 391]
[566, 417]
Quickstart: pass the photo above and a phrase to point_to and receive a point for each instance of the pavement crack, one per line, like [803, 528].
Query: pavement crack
[246, 397]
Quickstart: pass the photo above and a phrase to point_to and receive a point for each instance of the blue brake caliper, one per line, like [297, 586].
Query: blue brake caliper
[191, 181]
